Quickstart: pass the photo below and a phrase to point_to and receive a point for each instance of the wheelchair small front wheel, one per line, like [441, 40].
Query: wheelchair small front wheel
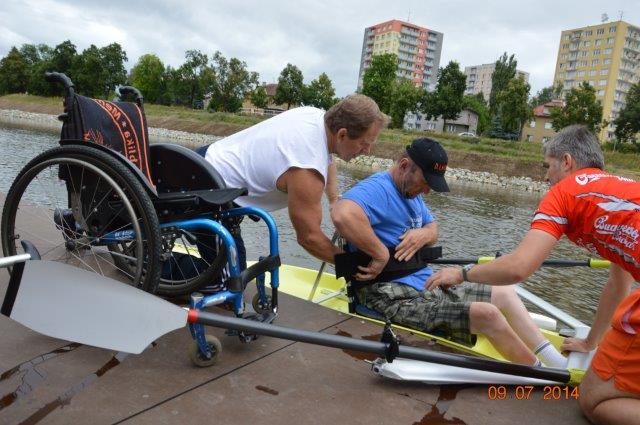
[72, 203]
[259, 307]
[196, 356]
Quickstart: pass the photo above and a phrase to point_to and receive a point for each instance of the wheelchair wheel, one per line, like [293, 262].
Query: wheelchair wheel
[191, 264]
[73, 203]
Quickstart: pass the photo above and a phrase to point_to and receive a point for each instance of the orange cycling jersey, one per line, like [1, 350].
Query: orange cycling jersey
[600, 212]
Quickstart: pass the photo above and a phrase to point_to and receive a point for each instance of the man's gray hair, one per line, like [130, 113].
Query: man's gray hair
[580, 143]
[356, 113]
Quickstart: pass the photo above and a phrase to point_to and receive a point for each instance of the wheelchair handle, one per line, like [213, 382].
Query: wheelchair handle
[59, 77]
[125, 90]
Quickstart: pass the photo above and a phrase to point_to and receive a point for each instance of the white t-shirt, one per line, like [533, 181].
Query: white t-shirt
[255, 157]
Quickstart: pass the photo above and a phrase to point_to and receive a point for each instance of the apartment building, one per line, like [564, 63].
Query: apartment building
[479, 79]
[606, 56]
[418, 50]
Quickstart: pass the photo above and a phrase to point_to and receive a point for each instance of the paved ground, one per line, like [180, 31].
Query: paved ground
[50, 381]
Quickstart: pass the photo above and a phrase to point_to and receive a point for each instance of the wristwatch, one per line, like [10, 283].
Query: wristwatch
[465, 270]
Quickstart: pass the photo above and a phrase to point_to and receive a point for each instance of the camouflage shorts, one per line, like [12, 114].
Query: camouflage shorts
[442, 312]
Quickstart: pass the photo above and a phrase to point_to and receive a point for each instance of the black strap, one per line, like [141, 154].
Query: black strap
[347, 264]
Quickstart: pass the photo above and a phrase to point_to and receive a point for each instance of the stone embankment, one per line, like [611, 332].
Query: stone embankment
[364, 163]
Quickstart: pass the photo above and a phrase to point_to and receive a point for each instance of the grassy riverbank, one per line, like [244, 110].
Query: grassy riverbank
[504, 158]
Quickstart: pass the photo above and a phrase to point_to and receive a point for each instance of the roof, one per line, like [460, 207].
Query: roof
[539, 111]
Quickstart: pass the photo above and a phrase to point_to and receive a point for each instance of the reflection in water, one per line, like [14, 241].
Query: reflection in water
[473, 221]
[31, 376]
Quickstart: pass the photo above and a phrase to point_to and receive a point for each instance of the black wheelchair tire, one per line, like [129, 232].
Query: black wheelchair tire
[120, 174]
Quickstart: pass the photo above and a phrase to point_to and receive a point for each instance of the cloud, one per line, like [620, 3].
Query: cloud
[316, 36]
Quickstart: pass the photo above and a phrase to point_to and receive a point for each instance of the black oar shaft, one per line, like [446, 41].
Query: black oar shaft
[379, 348]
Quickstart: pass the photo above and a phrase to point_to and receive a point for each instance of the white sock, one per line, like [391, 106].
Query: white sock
[548, 354]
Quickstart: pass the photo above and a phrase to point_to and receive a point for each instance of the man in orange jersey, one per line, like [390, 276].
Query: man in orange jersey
[600, 212]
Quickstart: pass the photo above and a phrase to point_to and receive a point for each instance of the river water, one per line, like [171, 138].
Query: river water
[473, 221]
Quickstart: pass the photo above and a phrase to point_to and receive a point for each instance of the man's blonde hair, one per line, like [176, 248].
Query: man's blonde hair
[355, 113]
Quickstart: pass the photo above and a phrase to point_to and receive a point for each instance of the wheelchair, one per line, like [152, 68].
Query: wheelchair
[157, 217]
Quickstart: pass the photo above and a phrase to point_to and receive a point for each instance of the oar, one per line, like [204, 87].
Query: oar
[334, 238]
[594, 263]
[58, 300]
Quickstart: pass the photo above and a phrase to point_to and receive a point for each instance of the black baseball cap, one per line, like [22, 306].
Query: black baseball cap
[432, 160]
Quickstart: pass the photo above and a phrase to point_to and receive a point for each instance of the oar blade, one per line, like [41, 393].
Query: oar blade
[441, 374]
[65, 302]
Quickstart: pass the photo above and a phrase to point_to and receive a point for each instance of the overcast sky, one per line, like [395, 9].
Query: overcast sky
[315, 35]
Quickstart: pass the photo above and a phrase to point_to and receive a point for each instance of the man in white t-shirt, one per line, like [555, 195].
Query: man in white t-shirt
[285, 161]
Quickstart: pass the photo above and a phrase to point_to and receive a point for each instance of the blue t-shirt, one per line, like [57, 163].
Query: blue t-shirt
[391, 215]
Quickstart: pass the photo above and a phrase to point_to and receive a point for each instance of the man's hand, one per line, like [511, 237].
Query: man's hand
[444, 278]
[410, 242]
[373, 269]
[575, 344]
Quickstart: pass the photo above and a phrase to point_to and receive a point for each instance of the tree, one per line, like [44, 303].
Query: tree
[320, 93]
[14, 72]
[64, 57]
[290, 86]
[447, 100]
[628, 122]
[231, 83]
[405, 97]
[582, 107]
[504, 72]
[514, 108]
[112, 59]
[547, 94]
[377, 82]
[188, 81]
[147, 75]
[479, 106]
[88, 76]
[259, 97]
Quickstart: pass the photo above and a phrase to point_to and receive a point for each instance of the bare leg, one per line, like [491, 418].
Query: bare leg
[510, 304]
[603, 403]
[486, 319]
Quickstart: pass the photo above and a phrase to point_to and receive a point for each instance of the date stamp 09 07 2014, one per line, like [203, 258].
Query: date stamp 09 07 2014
[527, 392]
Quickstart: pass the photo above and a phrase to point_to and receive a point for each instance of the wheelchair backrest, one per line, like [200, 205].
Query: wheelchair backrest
[121, 126]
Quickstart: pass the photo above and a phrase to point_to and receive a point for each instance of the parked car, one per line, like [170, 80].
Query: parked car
[467, 134]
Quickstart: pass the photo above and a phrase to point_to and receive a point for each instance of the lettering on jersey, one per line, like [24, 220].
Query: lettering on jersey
[583, 179]
[621, 233]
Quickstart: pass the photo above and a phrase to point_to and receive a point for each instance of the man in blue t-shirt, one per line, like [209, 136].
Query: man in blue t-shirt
[386, 210]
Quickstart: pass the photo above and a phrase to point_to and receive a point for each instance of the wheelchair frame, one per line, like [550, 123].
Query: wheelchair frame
[205, 349]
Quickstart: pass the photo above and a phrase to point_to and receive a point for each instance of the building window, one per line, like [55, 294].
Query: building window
[600, 93]
[586, 43]
[604, 71]
[596, 52]
[612, 30]
[610, 40]
[585, 54]
[603, 82]
[592, 83]
[592, 72]
[606, 61]
[545, 139]
[600, 31]
[588, 33]
[529, 138]
[607, 51]
[598, 42]
[595, 62]
[532, 124]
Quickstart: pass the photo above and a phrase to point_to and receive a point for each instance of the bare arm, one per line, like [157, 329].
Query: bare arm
[353, 224]
[331, 188]
[304, 188]
[505, 270]
[614, 291]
